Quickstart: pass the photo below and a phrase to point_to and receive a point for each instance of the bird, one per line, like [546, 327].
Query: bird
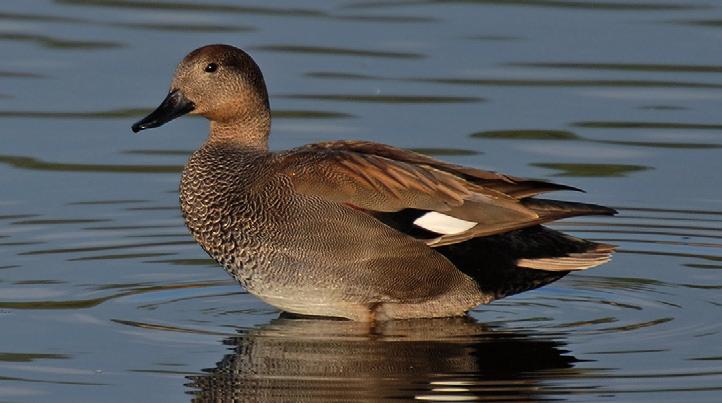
[356, 229]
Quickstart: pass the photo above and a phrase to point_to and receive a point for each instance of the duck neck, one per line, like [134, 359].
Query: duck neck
[248, 131]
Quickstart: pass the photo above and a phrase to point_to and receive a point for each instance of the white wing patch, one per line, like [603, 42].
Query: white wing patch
[443, 224]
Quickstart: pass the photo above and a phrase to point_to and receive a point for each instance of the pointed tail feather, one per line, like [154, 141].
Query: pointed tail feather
[556, 209]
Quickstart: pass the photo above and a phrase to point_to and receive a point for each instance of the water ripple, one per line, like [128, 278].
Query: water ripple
[524, 82]
[537, 82]
[641, 67]
[186, 27]
[92, 302]
[542, 134]
[646, 125]
[587, 170]
[571, 4]
[196, 7]
[57, 43]
[385, 98]
[104, 248]
[127, 113]
[19, 74]
[320, 50]
[31, 163]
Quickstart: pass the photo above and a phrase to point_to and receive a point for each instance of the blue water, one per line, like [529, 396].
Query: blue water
[105, 297]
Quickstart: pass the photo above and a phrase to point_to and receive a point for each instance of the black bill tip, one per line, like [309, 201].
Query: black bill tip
[138, 126]
[173, 106]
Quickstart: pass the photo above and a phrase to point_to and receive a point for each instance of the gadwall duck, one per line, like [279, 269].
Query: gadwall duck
[356, 229]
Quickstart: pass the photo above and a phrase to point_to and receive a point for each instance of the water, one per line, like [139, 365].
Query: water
[104, 297]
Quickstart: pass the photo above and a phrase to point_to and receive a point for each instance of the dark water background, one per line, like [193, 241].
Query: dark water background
[104, 296]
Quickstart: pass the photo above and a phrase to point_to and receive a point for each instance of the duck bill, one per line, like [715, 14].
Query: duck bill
[173, 106]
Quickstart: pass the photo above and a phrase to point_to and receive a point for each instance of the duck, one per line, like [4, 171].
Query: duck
[356, 229]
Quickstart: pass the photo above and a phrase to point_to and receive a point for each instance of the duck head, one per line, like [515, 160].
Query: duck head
[221, 83]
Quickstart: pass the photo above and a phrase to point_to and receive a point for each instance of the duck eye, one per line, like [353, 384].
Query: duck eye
[211, 68]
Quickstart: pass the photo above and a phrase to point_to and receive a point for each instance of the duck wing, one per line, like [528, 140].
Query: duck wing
[439, 202]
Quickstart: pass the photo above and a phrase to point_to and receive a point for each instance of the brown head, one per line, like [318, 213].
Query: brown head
[223, 84]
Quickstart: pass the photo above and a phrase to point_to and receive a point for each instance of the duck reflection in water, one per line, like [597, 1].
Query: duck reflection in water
[309, 359]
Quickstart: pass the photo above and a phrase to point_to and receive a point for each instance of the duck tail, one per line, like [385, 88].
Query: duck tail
[520, 260]
[596, 254]
[550, 210]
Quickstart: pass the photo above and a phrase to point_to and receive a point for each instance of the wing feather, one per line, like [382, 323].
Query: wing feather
[382, 179]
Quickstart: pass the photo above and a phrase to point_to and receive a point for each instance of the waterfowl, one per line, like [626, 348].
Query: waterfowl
[356, 229]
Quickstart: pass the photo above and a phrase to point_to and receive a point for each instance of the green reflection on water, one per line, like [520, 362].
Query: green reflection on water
[197, 6]
[160, 152]
[404, 19]
[660, 144]
[663, 107]
[714, 358]
[493, 38]
[320, 50]
[36, 164]
[591, 5]
[342, 76]
[187, 27]
[19, 74]
[646, 125]
[30, 357]
[590, 170]
[126, 113]
[566, 83]
[159, 26]
[703, 266]
[21, 243]
[566, 135]
[72, 304]
[303, 114]
[524, 82]
[643, 67]
[17, 216]
[109, 114]
[618, 283]
[527, 135]
[394, 99]
[704, 23]
[38, 18]
[55, 43]
[703, 286]
[441, 151]
[38, 282]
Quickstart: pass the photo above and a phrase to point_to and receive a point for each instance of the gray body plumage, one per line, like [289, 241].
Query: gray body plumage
[284, 246]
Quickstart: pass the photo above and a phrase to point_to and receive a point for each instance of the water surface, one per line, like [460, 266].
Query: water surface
[104, 296]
